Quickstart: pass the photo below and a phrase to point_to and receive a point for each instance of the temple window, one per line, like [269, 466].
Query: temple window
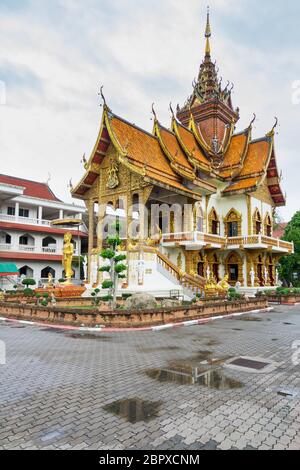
[257, 224]
[214, 223]
[268, 226]
[233, 224]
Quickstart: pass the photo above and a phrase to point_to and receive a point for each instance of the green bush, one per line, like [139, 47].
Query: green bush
[46, 295]
[28, 292]
[126, 296]
[44, 303]
[28, 282]
[107, 284]
[107, 298]
[105, 269]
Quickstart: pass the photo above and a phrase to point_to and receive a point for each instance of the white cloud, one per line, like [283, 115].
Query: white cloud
[141, 52]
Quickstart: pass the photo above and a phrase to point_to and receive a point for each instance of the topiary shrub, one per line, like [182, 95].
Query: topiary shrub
[28, 292]
[28, 282]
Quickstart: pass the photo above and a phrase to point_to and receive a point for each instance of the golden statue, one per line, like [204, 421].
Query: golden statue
[50, 280]
[68, 253]
[223, 285]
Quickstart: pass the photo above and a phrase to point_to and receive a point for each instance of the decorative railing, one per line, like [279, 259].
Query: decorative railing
[5, 247]
[223, 242]
[193, 237]
[35, 221]
[194, 283]
[31, 249]
[168, 265]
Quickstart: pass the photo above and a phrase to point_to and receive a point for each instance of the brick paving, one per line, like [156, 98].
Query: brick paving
[64, 392]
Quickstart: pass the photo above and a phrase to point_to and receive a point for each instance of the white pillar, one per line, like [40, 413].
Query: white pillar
[17, 207]
[40, 215]
[61, 214]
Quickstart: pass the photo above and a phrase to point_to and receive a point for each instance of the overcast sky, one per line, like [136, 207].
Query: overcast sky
[55, 54]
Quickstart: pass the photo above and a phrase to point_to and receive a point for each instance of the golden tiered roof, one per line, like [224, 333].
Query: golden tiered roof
[200, 148]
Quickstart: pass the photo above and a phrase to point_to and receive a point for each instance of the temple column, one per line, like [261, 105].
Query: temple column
[91, 236]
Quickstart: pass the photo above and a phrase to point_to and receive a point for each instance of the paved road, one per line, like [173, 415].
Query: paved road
[146, 390]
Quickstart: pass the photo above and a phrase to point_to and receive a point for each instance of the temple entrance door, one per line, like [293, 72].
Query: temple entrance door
[200, 269]
[216, 271]
[260, 274]
[233, 273]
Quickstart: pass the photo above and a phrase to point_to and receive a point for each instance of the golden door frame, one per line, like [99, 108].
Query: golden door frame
[236, 259]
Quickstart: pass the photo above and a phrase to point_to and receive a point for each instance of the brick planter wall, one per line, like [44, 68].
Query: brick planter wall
[127, 319]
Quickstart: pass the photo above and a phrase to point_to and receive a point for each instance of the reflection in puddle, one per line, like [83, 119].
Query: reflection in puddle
[218, 380]
[134, 409]
[211, 378]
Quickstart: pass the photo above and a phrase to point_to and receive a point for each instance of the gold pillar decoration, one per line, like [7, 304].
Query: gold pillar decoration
[233, 216]
[179, 261]
[206, 228]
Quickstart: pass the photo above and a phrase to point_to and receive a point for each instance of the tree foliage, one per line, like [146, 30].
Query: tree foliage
[290, 265]
[115, 269]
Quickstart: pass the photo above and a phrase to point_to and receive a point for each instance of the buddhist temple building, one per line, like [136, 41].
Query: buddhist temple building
[216, 190]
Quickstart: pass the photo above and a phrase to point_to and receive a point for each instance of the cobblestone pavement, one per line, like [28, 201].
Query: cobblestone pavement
[60, 391]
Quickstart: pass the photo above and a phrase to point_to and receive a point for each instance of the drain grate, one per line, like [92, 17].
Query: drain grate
[287, 393]
[249, 363]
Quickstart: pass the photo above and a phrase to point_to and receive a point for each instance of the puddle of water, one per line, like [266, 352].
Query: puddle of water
[237, 329]
[248, 319]
[290, 324]
[134, 410]
[158, 349]
[52, 435]
[53, 330]
[87, 336]
[214, 378]
[213, 342]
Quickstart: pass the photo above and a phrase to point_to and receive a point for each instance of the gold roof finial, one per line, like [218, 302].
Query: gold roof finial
[207, 34]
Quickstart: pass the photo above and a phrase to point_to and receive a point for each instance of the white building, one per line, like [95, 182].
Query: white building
[27, 237]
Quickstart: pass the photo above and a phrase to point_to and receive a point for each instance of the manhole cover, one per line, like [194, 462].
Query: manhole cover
[256, 365]
[249, 363]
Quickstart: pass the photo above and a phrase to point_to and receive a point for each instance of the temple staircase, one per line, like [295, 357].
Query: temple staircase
[191, 285]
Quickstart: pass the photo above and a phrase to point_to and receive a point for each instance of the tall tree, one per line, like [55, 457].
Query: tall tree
[290, 265]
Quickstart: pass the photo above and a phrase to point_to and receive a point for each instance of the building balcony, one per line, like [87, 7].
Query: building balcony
[199, 240]
[37, 222]
[4, 247]
[193, 240]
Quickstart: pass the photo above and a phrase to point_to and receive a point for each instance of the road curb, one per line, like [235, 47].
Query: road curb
[124, 330]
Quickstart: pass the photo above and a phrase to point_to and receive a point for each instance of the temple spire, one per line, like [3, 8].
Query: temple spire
[207, 35]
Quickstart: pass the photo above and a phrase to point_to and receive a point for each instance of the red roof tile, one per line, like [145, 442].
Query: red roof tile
[32, 188]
